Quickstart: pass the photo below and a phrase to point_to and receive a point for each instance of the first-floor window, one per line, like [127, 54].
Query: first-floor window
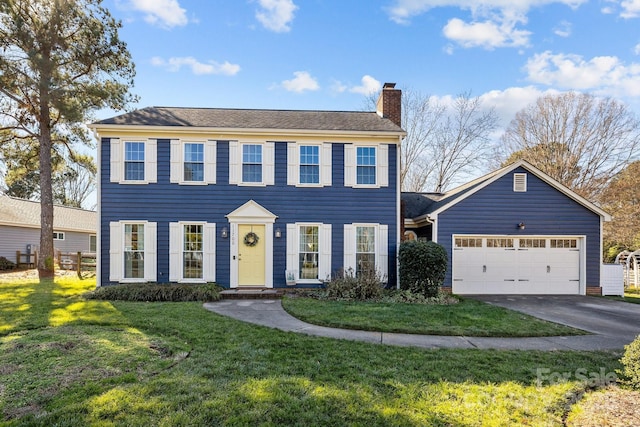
[58, 235]
[192, 254]
[365, 250]
[134, 251]
[92, 243]
[308, 255]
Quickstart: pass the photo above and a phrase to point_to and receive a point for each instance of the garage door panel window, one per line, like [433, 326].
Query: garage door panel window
[532, 243]
[564, 243]
[500, 243]
[466, 242]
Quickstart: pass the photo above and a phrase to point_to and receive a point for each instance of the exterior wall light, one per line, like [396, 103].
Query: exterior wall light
[521, 226]
[224, 233]
[278, 233]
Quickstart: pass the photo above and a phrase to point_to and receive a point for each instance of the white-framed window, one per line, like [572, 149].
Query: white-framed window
[520, 182]
[366, 166]
[93, 243]
[366, 249]
[132, 251]
[133, 160]
[192, 254]
[58, 235]
[193, 162]
[309, 164]
[309, 251]
[251, 163]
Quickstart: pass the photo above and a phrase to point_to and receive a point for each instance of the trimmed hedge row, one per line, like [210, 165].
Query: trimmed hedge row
[157, 293]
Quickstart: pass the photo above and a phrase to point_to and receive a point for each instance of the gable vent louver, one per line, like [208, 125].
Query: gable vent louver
[520, 182]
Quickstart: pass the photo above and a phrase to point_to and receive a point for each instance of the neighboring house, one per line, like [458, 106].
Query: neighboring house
[74, 230]
[513, 231]
[240, 197]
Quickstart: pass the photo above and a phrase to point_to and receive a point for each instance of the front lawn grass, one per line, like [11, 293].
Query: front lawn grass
[466, 318]
[631, 295]
[66, 361]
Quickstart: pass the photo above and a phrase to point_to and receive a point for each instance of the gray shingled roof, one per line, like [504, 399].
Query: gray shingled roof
[255, 119]
[26, 213]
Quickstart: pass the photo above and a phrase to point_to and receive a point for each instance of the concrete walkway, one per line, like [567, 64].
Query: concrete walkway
[271, 314]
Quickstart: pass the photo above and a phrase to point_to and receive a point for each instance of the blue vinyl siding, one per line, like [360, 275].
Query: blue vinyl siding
[163, 202]
[496, 209]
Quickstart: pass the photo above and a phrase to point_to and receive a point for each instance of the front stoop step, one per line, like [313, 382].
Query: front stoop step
[252, 293]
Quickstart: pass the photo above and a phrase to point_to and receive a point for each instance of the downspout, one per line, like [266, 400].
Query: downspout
[434, 227]
[398, 211]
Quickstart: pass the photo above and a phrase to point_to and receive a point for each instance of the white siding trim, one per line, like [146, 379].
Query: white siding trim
[209, 256]
[115, 252]
[117, 161]
[175, 244]
[151, 161]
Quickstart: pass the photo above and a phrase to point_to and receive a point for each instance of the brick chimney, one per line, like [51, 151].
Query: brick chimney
[389, 103]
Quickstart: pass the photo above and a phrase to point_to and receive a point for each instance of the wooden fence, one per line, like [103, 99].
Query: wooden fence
[29, 260]
[77, 261]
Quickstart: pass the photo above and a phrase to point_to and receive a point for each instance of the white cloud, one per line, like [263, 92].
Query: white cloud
[301, 82]
[636, 49]
[486, 34]
[606, 75]
[164, 13]
[276, 15]
[563, 29]
[630, 8]
[493, 23]
[506, 103]
[210, 67]
[369, 85]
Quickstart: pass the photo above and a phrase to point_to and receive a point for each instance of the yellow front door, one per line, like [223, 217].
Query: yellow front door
[251, 255]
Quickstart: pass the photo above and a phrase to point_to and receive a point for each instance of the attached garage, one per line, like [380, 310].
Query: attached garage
[513, 231]
[516, 265]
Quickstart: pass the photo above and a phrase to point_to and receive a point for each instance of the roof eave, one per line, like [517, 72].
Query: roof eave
[152, 130]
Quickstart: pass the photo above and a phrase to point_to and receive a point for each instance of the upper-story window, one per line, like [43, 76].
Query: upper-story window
[193, 162]
[133, 161]
[366, 166]
[251, 163]
[309, 164]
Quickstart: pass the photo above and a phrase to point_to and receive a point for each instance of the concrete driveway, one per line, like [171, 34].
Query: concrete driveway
[612, 320]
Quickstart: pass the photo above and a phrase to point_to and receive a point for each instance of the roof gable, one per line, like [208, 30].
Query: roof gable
[456, 195]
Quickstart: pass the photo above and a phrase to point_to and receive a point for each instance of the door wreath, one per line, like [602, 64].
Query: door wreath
[251, 239]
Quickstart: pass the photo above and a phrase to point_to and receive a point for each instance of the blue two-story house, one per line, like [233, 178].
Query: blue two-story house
[256, 198]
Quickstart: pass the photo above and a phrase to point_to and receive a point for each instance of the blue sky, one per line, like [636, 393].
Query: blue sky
[328, 54]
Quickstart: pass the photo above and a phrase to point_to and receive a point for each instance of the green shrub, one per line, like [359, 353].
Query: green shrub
[410, 297]
[5, 264]
[631, 364]
[422, 267]
[346, 286]
[157, 293]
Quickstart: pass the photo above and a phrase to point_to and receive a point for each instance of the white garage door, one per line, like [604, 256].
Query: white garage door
[516, 265]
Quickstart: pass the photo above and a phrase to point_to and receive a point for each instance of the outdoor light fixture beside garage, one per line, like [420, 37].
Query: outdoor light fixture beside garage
[224, 233]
